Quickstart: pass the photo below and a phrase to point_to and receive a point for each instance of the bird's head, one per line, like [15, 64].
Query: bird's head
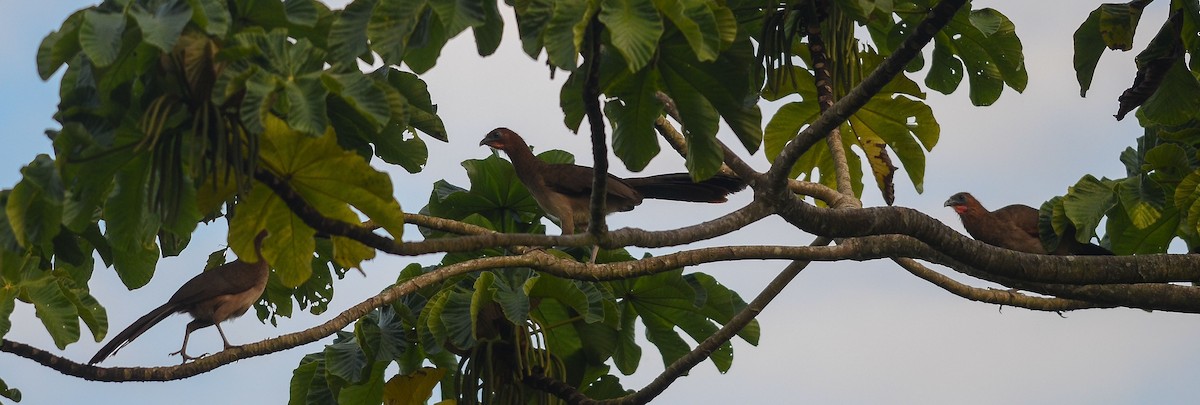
[961, 202]
[500, 138]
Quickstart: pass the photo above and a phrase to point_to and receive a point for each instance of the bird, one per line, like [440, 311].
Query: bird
[564, 190]
[1014, 227]
[224, 292]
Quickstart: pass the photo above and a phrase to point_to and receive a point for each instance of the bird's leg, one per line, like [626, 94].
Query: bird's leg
[223, 339]
[191, 326]
[595, 251]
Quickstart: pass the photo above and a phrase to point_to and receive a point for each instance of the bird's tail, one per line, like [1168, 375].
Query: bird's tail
[133, 331]
[680, 187]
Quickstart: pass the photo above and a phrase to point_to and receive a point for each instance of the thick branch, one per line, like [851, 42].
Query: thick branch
[999, 261]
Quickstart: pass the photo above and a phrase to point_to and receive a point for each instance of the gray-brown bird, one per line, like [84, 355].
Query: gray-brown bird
[564, 190]
[1014, 227]
[211, 297]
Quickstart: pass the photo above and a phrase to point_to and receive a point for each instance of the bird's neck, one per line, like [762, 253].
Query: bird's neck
[527, 165]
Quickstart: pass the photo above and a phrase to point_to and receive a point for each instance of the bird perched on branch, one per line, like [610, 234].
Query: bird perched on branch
[564, 190]
[211, 297]
[1014, 227]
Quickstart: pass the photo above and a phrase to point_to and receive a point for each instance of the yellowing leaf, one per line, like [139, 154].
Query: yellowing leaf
[322, 172]
[290, 246]
[412, 389]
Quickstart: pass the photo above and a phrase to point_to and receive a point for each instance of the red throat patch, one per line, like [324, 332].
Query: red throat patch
[960, 209]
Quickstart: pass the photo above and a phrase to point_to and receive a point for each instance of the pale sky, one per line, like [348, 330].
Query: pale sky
[842, 333]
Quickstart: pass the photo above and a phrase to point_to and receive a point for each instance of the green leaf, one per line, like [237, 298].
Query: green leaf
[211, 15]
[1085, 203]
[698, 24]
[89, 309]
[35, 205]
[1143, 204]
[59, 46]
[568, 292]
[360, 92]
[367, 392]
[433, 37]
[100, 36]
[627, 355]
[946, 71]
[633, 116]
[345, 359]
[259, 96]
[306, 104]
[668, 301]
[450, 318]
[571, 100]
[300, 12]
[391, 27]
[786, 124]
[729, 84]
[131, 226]
[488, 34]
[533, 16]
[8, 303]
[1089, 46]
[634, 27]
[1128, 239]
[420, 111]
[394, 147]
[564, 32]
[1175, 102]
[56, 311]
[10, 393]
[991, 61]
[162, 24]
[457, 15]
[704, 157]
[308, 380]
[348, 34]
[723, 303]
[510, 291]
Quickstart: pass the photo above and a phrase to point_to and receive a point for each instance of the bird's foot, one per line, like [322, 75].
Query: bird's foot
[187, 357]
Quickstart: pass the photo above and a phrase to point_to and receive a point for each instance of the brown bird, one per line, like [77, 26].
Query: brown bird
[1014, 227]
[211, 297]
[564, 190]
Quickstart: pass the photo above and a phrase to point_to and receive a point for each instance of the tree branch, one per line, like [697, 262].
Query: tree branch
[743, 170]
[591, 106]
[268, 346]
[619, 238]
[991, 295]
[1028, 267]
[698, 354]
[937, 18]
[825, 96]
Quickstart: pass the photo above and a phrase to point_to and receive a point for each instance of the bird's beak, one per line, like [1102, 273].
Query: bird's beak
[948, 203]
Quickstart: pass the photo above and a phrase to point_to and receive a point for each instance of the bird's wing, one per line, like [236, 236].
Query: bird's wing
[230, 278]
[576, 182]
[1023, 217]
